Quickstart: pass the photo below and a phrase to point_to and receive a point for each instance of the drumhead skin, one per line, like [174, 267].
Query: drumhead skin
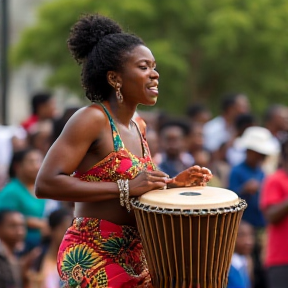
[190, 198]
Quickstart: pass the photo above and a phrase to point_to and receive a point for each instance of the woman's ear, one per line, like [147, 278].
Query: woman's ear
[113, 79]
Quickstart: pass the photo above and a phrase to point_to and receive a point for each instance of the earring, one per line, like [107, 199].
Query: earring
[119, 95]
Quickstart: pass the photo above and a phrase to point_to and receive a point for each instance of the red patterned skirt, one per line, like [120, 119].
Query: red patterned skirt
[98, 253]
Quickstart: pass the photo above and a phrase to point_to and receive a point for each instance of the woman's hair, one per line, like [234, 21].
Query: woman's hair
[17, 158]
[100, 45]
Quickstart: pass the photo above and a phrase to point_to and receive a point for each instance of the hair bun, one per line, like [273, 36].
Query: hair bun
[87, 32]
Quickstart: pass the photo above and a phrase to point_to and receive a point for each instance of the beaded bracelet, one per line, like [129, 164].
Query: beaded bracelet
[123, 186]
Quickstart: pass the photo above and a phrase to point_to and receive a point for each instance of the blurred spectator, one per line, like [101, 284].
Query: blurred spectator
[59, 123]
[274, 203]
[241, 269]
[174, 157]
[41, 138]
[221, 129]
[276, 121]
[150, 118]
[44, 273]
[153, 142]
[219, 165]
[235, 155]
[19, 195]
[12, 232]
[12, 138]
[198, 113]
[43, 108]
[196, 138]
[247, 177]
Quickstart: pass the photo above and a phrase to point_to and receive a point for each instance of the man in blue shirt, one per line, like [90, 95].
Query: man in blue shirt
[247, 177]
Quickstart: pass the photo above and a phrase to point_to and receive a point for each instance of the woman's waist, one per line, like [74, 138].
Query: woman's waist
[99, 225]
[109, 210]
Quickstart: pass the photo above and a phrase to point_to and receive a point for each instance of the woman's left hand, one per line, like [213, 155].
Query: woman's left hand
[193, 176]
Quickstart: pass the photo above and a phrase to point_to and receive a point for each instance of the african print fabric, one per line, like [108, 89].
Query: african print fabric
[98, 254]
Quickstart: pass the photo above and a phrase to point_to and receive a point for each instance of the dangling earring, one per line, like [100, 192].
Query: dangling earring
[119, 95]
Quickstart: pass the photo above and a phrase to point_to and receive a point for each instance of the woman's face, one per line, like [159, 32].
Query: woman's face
[139, 78]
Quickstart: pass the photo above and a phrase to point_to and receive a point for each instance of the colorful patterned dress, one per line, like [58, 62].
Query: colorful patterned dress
[98, 253]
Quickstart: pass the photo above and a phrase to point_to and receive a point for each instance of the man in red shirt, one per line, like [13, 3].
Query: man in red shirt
[274, 204]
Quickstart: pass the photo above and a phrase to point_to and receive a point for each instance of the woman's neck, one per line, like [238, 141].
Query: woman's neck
[122, 113]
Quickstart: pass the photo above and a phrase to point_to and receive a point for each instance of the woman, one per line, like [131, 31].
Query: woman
[19, 194]
[103, 247]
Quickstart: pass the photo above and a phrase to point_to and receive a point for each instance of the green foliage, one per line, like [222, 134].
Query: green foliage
[202, 48]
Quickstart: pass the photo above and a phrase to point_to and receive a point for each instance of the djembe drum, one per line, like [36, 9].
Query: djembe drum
[189, 235]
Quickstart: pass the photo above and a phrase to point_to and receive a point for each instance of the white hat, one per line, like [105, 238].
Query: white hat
[258, 139]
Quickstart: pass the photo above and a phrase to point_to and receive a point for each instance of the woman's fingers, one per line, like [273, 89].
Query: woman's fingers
[158, 173]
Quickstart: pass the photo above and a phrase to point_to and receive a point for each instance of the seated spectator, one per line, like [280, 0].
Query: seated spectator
[44, 273]
[12, 233]
[174, 157]
[274, 204]
[19, 194]
[241, 269]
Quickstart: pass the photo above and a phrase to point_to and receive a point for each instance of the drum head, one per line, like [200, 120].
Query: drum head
[190, 198]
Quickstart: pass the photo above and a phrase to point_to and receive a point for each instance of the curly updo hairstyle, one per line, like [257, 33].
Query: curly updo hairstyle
[99, 45]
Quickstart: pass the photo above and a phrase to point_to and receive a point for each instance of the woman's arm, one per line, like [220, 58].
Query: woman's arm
[65, 155]
[53, 181]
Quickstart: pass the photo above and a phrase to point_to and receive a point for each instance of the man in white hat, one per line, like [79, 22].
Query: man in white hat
[246, 178]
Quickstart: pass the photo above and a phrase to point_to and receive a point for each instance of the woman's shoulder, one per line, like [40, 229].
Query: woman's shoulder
[92, 112]
[89, 118]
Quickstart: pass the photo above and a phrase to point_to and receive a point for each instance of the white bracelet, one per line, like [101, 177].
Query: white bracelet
[123, 186]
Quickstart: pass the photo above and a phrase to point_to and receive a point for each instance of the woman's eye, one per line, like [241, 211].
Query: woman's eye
[143, 67]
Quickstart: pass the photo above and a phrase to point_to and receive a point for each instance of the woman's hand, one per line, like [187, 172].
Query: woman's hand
[193, 176]
[146, 181]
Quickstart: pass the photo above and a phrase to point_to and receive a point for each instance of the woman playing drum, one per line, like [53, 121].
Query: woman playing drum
[102, 248]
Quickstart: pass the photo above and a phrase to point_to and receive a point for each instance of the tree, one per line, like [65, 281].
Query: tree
[202, 48]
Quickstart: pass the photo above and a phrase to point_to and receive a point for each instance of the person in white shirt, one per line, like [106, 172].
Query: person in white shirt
[220, 129]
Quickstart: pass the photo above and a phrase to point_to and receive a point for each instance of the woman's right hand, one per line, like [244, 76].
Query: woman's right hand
[146, 181]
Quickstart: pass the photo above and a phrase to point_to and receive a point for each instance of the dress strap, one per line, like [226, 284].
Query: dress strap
[145, 149]
[117, 141]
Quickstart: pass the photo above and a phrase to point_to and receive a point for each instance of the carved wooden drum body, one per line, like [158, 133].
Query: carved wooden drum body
[189, 235]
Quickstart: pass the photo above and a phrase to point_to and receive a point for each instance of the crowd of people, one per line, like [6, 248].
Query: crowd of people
[246, 154]
[243, 153]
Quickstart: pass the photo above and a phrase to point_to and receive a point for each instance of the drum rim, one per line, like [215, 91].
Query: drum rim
[241, 205]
